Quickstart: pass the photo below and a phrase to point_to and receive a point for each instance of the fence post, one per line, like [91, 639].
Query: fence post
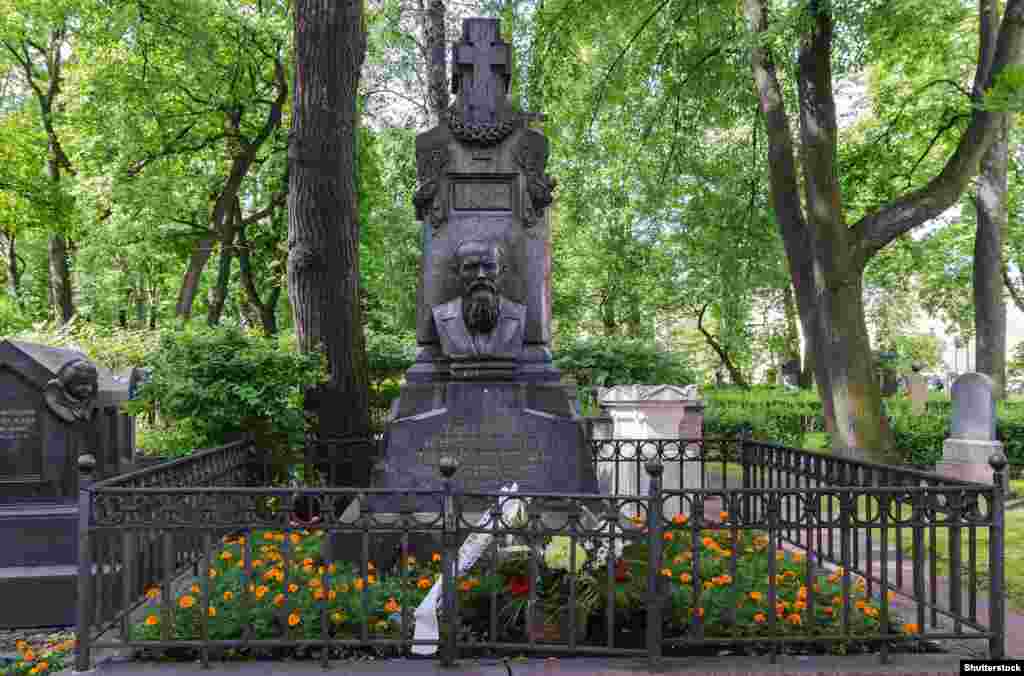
[450, 553]
[655, 544]
[997, 603]
[84, 581]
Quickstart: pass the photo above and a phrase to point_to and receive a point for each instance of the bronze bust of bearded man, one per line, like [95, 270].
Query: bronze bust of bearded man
[481, 324]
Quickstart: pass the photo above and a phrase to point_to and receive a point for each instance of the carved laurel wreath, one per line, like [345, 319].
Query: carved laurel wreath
[481, 134]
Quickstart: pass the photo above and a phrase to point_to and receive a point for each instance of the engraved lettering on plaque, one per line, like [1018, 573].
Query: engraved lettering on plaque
[20, 443]
[484, 455]
[482, 196]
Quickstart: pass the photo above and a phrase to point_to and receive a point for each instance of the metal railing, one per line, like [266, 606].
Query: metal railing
[147, 528]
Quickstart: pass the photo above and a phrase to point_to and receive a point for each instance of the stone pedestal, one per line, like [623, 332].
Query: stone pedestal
[654, 412]
[967, 459]
[966, 453]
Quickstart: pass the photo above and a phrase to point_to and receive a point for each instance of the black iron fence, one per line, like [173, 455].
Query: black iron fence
[700, 544]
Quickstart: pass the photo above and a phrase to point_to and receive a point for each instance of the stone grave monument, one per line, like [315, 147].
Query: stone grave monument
[917, 388]
[653, 412]
[972, 439]
[47, 422]
[483, 388]
[790, 374]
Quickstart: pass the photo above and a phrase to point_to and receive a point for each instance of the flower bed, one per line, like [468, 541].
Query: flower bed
[728, 602]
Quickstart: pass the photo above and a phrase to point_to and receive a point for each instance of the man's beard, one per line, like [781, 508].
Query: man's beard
[480, 310]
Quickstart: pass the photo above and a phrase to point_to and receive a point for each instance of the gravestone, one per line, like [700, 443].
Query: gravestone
[483, 388]
[652, 412]
[917, 388]
[972, 439]
[790, 374]
[47, 421]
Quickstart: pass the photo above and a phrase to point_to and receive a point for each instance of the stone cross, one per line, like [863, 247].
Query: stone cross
[483, 70]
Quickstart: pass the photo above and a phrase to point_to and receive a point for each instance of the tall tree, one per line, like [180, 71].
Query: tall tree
[35, 38]
[827, 256]
[323, 215]
[990, 198]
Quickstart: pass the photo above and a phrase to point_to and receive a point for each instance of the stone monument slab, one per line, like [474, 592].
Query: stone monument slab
[973, 438]
[917, 388]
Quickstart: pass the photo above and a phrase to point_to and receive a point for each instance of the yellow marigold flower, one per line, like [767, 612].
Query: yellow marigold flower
[371, 579]
[252, 587]
[228, 595]
[667, 535]
[667, 572]
[153, 592]
[726, 552]
[837, 601]
[338, 617]
[212, 611]
[685, 578]
[332, 569]
[392, 606]
[292, 587]
[315, 582]
[424, 583]
[679, 519]
[293, 619]
[780, 555]
[797, 557]
[213, 573]
[261, 591]
[724, 516]
[152, 620]
[708, 584]
[756, 596]
[358, 584]
[225, 555]
[279, 599]
[802, 594]
[343, 587]
[760, 618]
[296, 539]
[331, 595]
[186, 601]
[195, 589]
[256, 563]
[794, 619]
[911, 628]
[318, 595]
[321, 570]
[687, 555]
[435, 557]
[241, 563]
[279, 537]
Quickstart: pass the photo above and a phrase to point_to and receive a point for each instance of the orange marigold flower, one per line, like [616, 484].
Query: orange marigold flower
[392, 606]
[755, 596]
[318, 595]
[465, 586]
[725, 579]
[152, 619]
[828, 610]
[292, 587]
[213, 611]
[724, 516]
[228, 595]
[268, 536]
[186, 601]
[296, 539]
[760, 618]
[435, 557]
[241, 563]
[424, 583]
[860, 604]
[890, 596]
[279, 600]
[371, 579]
[679, 519]
[708, 584]
[668, 535]
[332, 568]
[225, 555]
[911, 628]
[700, 612]
[195, 589]
[685, 577]
[667, 572]
[797, 557]
[709, 542]
[293, 619]
[28, 656]
[800, 605]
[837, 601]
[794, 619]
[780, 555]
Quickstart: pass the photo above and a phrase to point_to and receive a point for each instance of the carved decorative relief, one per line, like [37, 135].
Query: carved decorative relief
[531, 154]
[429, 199]
[481, 134]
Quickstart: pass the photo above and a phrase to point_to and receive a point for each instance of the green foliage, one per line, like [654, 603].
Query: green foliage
[113, 347]
[210, 384]
[621, 361]
[769, 416]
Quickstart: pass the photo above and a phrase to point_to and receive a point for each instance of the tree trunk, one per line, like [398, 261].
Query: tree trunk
[807, 369]
[323, 227]
[265, 312]
[735, 375]
[435, 45]
[60, 278]
[991, 207]
[792, 344]
[13, 271]
[219, 291]
[202, 249]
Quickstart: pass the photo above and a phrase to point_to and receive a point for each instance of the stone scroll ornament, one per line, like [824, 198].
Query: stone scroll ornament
[70, 395]
[426, 613]
[532, 155]
[429, 198]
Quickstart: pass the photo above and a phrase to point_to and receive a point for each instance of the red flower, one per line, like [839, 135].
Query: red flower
[621, 571]
[518, 585]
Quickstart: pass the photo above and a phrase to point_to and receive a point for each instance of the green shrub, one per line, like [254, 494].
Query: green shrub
[606, 362]
[211, 384]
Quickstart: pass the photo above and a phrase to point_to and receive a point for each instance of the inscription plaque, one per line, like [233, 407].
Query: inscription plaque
[486, 455]
[21, 444]
[482, 196]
